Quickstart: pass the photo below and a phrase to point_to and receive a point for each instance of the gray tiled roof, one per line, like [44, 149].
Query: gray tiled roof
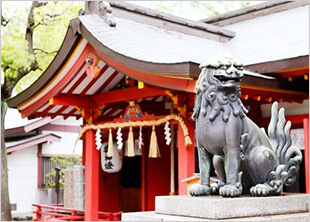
[268, 38]
[273, 37]
[29, 139]
[148, 43]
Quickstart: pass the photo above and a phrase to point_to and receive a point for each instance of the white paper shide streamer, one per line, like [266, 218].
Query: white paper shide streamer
[140, 138]
[98, 139]
[119, 138]
[167, 133]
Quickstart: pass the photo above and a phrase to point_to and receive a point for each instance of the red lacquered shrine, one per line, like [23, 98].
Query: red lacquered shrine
[124, 67]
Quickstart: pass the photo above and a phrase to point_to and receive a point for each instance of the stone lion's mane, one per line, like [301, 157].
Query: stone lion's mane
[211, 93]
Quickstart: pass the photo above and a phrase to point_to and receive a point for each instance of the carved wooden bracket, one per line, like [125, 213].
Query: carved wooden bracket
[90, 114]
[177, 101]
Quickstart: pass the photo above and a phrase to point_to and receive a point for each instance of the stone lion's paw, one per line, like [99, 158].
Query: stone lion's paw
[199, 190]
[231, 190]
[215, 187]
[262, 190]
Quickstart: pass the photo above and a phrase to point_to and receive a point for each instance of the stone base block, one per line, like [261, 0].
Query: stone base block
[287, 207]
[152, 216]
[217, 207]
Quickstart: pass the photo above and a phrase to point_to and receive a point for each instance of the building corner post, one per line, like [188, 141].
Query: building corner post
[91, 177]
[186, 155]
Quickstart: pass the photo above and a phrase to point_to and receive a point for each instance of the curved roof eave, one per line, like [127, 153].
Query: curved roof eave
[178, 76]
[75, 32]
[169, 68]
[68, 45]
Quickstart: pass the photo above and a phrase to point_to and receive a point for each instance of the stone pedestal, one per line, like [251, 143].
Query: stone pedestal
[285, 207]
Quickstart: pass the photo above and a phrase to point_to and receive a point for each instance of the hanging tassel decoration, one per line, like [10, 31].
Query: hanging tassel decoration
[130, 144]
[167, 133]
[119, 138]
[154, 149]
[110, 144]
[188, 141]
[140, 138]
[98, 139]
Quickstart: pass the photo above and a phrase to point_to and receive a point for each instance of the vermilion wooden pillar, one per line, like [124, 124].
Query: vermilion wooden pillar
[91, 177]
[186, 155]
[306, 152]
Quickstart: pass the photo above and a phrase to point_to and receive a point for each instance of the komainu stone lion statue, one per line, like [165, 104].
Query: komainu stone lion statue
[245, 159]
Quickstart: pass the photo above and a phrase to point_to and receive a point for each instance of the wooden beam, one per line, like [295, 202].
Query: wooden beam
[73, 100]
[128, 94]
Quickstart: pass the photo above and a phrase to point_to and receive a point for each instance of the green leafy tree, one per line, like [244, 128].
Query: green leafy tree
[30, 38]
[212, 8]
[63, 162]
[207, 8]
[167, 7]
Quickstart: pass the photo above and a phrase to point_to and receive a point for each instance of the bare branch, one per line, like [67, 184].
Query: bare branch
[40, 4]
[53, 15]
[47, 53]
[29, 38]
[4, 21]
[39, 23]
[10, 82]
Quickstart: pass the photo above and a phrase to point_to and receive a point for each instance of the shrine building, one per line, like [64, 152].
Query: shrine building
[130, 73]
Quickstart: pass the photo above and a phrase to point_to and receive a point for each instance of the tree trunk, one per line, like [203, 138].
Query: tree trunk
[6, 92]
[5, 199]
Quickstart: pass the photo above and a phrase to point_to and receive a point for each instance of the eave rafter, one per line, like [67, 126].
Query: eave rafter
[260, 93]
[292, 74]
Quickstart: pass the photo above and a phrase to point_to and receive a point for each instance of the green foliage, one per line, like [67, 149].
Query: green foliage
[14, 54]
[63, 162]
[212, 8]
[166, 8]
[52, 22]
[50, 25]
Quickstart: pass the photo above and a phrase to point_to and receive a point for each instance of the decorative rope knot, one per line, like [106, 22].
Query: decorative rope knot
[130, 124]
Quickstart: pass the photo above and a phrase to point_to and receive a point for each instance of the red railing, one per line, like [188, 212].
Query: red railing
[59, 213]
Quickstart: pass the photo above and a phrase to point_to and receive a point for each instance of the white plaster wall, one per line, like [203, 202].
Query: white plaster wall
[66, 146]
[23, 165]
[290, 108]
[23, 180]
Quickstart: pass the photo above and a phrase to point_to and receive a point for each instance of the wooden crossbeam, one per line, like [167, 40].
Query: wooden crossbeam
[128, 94]
[73, 100]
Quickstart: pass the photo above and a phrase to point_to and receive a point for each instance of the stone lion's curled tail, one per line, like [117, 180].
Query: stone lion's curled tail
[289, 156]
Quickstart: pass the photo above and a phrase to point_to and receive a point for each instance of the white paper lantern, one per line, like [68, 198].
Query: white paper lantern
[111, 164]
